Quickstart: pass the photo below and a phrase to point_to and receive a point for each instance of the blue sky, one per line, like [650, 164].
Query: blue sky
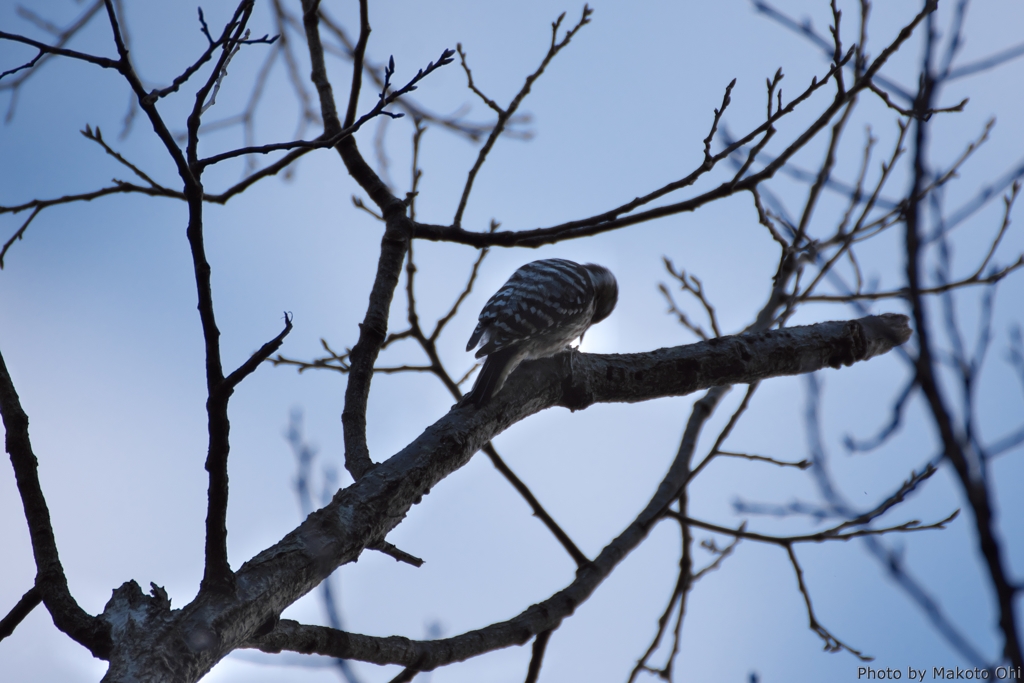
[99, 329]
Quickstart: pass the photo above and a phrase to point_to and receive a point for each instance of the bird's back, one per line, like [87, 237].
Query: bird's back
[548, 302]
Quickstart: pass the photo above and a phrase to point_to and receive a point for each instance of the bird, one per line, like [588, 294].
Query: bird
[544, 306]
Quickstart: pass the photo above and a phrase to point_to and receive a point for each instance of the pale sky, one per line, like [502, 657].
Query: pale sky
[99, 329]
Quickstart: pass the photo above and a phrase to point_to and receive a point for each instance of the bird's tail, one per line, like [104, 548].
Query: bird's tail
[492, 376]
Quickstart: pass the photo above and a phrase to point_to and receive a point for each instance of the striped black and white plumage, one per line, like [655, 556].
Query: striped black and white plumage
[538, 312]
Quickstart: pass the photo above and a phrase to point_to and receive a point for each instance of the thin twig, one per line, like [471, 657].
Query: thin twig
[802, 464]
[505, 114]
[832, 644]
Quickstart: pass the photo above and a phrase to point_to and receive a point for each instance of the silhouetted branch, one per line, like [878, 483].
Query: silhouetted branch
[890, 560]
[985, 63]
[29, 601]
[538, 510]
[720, 556]
[803, 464]
[455, 123]
[613, 220]
[832, 644]
[224, 41]
[373, 330]
[827, 47]
[975, 490]
[835, 533]
[505, 114]
[396, 554]
[905, 293]
[247, 368]
[912, 113]
[540, 644]
[695, 287]
[724, 434]
[51, 583]
[45, 49]
[889, 429]
[62, 36]
[304, 455]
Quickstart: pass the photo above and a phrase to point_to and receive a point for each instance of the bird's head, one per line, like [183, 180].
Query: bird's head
[606, 291]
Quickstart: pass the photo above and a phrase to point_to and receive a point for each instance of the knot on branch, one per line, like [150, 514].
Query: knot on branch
[398, 227]
[850, 347]
[373, 331]
[130, 613]
[869, 337]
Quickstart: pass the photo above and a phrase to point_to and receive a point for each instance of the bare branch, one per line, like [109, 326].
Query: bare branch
[18, 234]
[695, 287]
[97, 136]
[538, 510]
[454, 123]
[724, 434]
[447, 317]
[720, 556]
[904, 292]
[611, 220]
[51, 583]
[726, 99]
[986, 63]
[883, 434]
[224, 41]
[803, 464]
[833, 534]
[505, 114]
[832, 644]
[29, 601]
[247, 368]
[913, 114]
[540, 644]
[975, 490]
[45, 49]
[827, 48]
[397, 554]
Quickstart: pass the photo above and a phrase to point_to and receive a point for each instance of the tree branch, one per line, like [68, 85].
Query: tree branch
[448, 444]
[51, 584]
[540, 644]
[613, 220]
[247, 368]
[29, 601]
[974, 484]
[394, 244]
[362, 514]
[504, 115]
[43, 48]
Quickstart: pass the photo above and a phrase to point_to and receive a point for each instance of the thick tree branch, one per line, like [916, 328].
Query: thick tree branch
[362, 514]
[436, 367]
[458, 434]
